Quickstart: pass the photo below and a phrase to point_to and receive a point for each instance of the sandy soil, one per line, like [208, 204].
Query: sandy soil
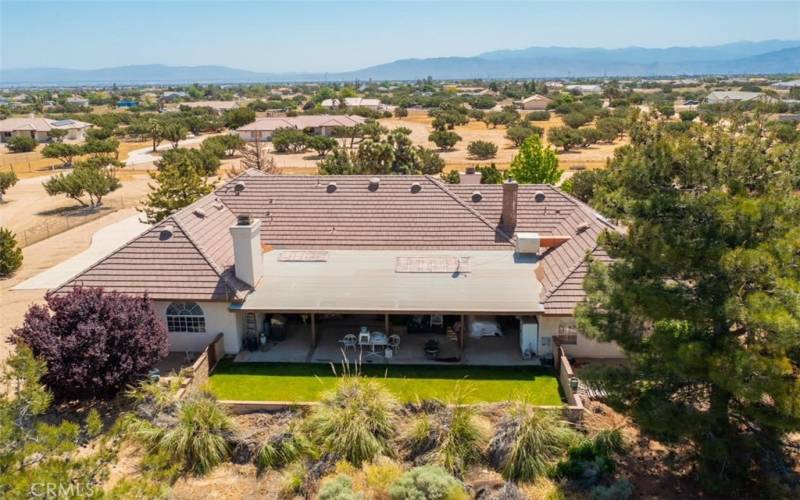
[37, 258]
[34, 164]
[30, 212]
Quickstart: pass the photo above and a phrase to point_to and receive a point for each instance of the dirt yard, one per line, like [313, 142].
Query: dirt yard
[33, 164]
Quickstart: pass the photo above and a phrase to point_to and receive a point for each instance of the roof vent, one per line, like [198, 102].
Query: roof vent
[374, 183]
[199, 212]
[238, 187]
[166, 232]
[243, 220]
[331, 187]
[477, 196]
[583, 226]
[416, 187]
[538, 196]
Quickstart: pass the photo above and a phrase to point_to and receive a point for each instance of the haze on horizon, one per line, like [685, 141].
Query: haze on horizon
[342, 36]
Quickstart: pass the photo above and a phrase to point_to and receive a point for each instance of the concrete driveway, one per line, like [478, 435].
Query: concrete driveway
[144, 155]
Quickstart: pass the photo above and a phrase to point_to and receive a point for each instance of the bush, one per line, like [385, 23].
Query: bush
[575, 119]
[444, 139]
[564, 137]
[10, 253]
[280, 450]
[238, 117]
[518, 133]
[482, 150]
[428, 482]
[338, 488]
[535, 163]
[289, 140]
[538, 116]
[95, 343]
[354, 421]
[491, 174]
[223, 145]
[460, 440]
[528, 443]
[619, 490]
[400, 112]
[199, 437]
[321, 144]
[7, 180]
[688, 115]
[592, 461]
[21, 144]
[452, 177]
[204, 160]
[430, 161]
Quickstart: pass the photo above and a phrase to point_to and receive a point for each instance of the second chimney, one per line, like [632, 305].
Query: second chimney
[509, 217]
[247, 259]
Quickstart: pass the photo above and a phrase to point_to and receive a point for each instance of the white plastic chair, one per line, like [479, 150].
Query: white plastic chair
[349, 342]
[394, 342]
[364, 338]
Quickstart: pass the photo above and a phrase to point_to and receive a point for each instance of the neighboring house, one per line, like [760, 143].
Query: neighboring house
[791, 84]
[263, 128]
[585, 89]
[535, 102]
[353, 102]
[305, 260]
[723, 96]
[77, 100]
[172, 96]
[38, 128]
[218, 107]
[127, 103]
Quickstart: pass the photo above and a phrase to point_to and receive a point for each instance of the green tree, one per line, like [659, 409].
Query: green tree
[21, 144]
[238, 117]
[400, 112]
[521, 131]
[155, 131]
[535, 163]
[223, 145]
[491, 174]
[179, 184]
[7, 180]
[201, 160]
[482, 150]
[105, 148]
[564, 137]
[89, 178]
[289, 140]
[57, 134]
[63, 152]
[174, 132]
[445, 140]
[321, 144]
[703, 294]
[10, 253]
[430, 161]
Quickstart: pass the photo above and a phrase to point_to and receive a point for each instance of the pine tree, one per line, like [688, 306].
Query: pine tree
[704, 292]
[10, 253]
[179, 184]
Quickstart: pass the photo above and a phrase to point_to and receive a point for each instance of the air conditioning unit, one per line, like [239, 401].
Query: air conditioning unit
[528, 243]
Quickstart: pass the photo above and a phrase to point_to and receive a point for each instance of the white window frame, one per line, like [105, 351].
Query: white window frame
[185, 317]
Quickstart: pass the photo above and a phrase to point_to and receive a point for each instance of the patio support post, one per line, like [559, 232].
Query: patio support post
[386, 324]
[313, 330]
[461, 334]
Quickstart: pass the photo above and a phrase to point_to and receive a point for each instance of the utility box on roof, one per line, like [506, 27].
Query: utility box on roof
[528, 243]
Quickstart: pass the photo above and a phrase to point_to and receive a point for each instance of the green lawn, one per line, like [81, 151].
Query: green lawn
[305, 382]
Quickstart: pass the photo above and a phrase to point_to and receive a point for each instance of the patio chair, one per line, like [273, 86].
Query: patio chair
[364, 338]
[349, 342]
[394, 342]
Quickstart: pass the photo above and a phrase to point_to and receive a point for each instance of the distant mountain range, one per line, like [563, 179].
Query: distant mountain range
[772, 56]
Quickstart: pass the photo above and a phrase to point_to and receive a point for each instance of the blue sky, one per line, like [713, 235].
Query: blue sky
[338, 36]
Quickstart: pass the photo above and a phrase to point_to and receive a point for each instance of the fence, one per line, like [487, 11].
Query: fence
[56, 224]
[566, 377]
[197, 374]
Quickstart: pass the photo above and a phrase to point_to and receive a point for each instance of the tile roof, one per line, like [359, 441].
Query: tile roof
[302, 122]
[39, 124]
[343, 213]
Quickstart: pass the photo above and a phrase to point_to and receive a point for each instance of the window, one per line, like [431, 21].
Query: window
[185, 317]
[567, 334]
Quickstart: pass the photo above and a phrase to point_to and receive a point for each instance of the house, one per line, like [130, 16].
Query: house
[285, 266]
[263, 128]
[127, 103]
[353, 102]
[39, 128]
[172, 96]
[535, 102]
[789, 85]
[723, 96]
[585, 89]
[78, 101]
[219, 107]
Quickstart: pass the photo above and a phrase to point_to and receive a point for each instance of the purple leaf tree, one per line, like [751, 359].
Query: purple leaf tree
[95, 343]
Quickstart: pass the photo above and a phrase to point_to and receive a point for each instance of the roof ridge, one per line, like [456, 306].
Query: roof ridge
[471, 210]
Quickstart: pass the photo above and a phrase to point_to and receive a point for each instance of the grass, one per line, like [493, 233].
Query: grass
[306, 382]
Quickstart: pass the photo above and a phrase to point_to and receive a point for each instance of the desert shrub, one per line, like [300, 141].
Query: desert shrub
[204, 160]
[338, 488]
[444, 139]
[460, 441]
[379, 476]
[21, 144]
[294, 478]
[280, 450]
[576, 119]
[428, 482]
[482, 150]
[354, 421]
[591, 461]
[95, 343]
[7, 181]
[518, 133]
[538, 116]
[619, 490]
[223, 145]
[528, 443]
[289, 140]
[688, 115]
[10, 253]
[198, 438]
[400, 112]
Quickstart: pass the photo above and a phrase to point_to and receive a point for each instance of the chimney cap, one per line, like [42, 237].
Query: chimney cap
[243, 220]
[374, 183]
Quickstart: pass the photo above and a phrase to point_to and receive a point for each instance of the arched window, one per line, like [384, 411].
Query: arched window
[185, 317]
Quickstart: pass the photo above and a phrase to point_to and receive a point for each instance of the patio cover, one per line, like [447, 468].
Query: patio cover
[357, 281]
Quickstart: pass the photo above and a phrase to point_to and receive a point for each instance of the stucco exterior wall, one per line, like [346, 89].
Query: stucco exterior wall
[584, 348]
[218, 320]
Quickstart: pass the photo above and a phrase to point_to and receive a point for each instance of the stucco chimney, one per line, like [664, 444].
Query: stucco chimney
[509, 217]
[247, 259]
[469, 176]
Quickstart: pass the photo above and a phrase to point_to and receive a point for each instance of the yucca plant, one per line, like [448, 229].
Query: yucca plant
[281, 450]
[529, 443]
[460, 441]
[355, 421]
